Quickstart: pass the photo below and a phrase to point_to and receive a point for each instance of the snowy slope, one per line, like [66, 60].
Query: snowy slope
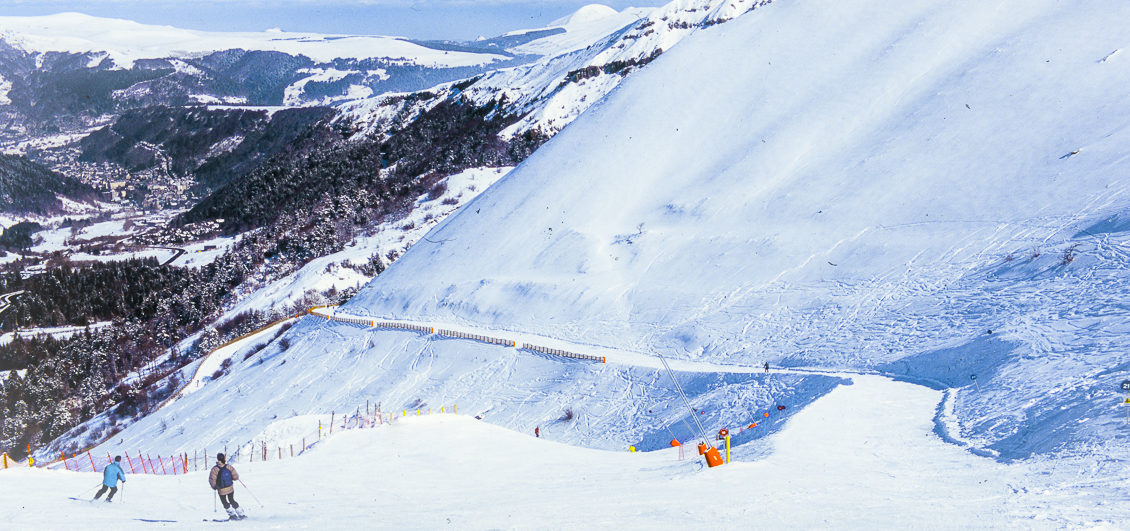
[582, 28]
[862, 458]
[833, 197]
[578, 68]
[867, 158]
[125, 42]
[783, 187]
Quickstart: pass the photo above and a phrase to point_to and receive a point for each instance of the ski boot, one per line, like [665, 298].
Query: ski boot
[239, 513]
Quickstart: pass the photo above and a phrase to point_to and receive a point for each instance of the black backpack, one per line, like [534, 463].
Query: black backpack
[223, 480]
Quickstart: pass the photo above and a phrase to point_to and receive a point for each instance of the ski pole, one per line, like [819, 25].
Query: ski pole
[122, 497]
[213, 500]
[88, 490]
[252, 494]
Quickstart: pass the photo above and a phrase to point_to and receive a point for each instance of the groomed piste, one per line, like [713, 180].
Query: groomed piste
[425, 472]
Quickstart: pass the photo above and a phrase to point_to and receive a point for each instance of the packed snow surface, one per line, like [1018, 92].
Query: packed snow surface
[863, 457]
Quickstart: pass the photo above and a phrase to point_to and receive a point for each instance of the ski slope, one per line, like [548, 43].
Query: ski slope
[938, 197]
[863, 457]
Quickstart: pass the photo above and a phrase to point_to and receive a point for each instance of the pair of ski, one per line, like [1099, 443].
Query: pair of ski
[169, 521]
[206, 520]
[90, 500]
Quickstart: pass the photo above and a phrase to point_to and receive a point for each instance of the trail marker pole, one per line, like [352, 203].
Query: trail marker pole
[974, 378]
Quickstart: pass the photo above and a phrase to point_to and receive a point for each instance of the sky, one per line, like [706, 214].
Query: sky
[422, 19]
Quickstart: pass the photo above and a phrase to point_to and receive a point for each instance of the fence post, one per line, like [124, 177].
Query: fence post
[130, 461]
[92, 467]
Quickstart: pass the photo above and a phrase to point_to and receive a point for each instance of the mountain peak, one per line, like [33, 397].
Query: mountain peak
[587, 13]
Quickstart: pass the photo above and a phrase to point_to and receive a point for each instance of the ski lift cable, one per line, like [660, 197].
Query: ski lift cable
[653, 403]
[679, 388]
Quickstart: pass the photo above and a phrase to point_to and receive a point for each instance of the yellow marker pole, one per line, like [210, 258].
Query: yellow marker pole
[5, 460]
[455, 409]
[429, 411]
[417, 412]
[442, 410]
[727, 448]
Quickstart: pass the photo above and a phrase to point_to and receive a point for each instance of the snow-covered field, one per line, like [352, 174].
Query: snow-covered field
[862, 457]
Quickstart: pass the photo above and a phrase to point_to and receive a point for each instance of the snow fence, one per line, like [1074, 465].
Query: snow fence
[255, 450]
[372, 323]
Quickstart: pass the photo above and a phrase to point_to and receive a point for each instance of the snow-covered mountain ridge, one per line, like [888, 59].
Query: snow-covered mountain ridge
[577, 69]
[125, 42]
[824, 196]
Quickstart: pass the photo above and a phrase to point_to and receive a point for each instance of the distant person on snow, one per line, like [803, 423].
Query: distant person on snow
[537, 432]
[222, 479]
[767, 367]
[110, 477]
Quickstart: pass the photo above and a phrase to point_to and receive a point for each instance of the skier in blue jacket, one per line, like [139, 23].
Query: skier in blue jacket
[110, 477]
